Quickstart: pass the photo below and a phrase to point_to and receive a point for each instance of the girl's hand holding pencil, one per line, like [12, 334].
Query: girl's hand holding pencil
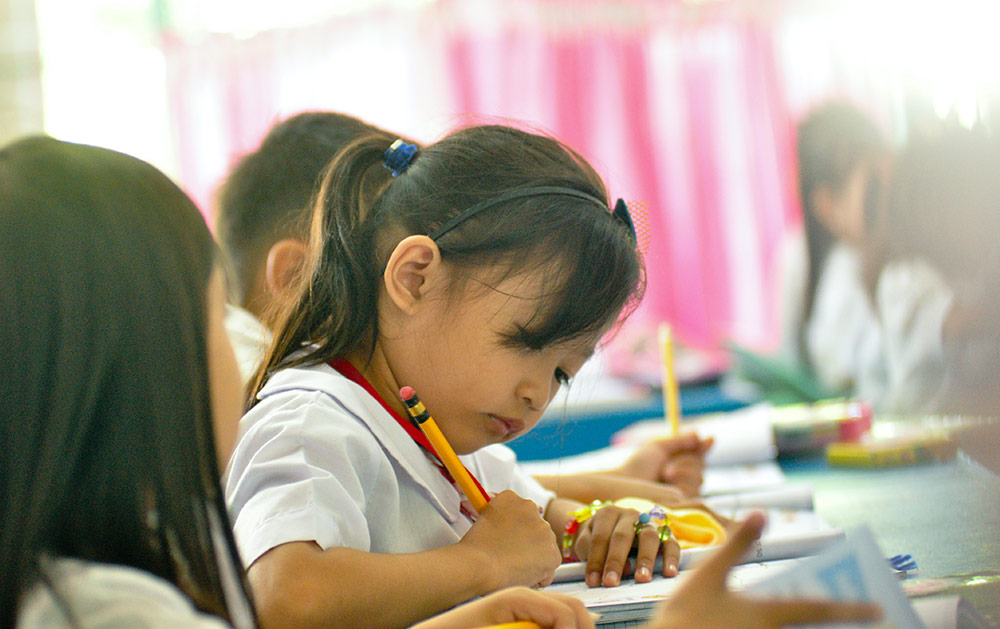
[516, 543]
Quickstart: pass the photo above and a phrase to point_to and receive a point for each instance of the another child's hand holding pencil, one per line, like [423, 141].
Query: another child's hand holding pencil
[676, 461]
[516, 543]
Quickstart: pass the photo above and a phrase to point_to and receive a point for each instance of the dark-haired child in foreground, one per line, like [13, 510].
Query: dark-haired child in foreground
[482, 272]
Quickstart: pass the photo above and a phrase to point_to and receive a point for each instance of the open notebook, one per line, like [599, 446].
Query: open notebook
[849, 570]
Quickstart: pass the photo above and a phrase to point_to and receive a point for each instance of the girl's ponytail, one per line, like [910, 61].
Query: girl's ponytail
[335, 297]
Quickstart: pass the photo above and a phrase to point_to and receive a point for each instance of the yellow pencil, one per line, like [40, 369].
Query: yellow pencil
[670, 403]
[443, 449]
[529, 624]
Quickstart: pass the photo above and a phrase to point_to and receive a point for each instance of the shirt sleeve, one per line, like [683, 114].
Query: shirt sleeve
[497, 468]
[300, 472]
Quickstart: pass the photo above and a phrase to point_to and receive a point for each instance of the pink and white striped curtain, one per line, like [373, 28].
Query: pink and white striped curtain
[689, 108]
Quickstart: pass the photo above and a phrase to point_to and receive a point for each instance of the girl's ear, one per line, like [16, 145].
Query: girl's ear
[284, 259]
[413, 269]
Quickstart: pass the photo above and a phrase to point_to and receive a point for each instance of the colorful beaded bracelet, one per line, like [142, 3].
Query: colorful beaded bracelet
[572, 526]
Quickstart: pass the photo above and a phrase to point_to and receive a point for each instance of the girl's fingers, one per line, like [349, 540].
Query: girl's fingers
[712, 573]
[706, 445]
[797, 612]
[671, 557]
[592, 543]
[645, 559]
[584, 548]
[619, 545]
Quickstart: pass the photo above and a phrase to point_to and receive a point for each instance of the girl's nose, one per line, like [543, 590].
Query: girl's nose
[536, 391]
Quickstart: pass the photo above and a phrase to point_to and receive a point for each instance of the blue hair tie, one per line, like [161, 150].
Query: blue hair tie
[398, 156]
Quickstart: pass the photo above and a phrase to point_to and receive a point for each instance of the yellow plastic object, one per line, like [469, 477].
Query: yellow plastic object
[892, 452]
[691, 527]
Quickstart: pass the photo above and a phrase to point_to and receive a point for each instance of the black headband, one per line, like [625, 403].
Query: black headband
[620, 211]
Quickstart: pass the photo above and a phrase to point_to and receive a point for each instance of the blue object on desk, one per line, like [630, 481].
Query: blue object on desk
[569, 431]
[902, 563]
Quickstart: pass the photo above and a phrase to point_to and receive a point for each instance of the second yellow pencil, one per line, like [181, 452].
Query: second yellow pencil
[670, 402]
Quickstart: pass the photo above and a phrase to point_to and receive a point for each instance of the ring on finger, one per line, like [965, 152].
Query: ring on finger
[644, 520]
[664, 532]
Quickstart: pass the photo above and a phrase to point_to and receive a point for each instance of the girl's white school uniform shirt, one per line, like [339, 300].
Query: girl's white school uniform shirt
[319, 459]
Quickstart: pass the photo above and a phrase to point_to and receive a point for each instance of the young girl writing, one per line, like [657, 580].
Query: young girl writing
[483, 275]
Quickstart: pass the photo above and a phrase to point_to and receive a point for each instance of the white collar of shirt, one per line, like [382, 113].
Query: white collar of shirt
[249, 338]
[394, 439]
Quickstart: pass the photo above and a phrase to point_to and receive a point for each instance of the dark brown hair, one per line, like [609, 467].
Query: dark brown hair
[589, 257]
[267, 195]
[106, 416]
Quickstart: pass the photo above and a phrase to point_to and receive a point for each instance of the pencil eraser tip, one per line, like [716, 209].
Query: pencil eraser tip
[406, 393]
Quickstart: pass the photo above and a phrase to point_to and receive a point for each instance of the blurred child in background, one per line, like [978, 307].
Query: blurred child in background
[829, 326]
[932, 264]
[262, 214]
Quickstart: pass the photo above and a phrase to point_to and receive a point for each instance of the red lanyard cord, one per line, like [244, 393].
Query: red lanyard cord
[348, 370]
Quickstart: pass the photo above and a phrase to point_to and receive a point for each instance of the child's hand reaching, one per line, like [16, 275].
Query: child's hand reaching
[605, 540]
[545, 609]
[677, 461]
[518, 544]
[703, 600]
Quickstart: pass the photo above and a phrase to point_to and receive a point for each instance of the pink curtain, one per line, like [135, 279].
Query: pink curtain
[687, 108]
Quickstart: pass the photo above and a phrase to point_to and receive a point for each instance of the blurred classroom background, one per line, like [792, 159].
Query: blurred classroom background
[687, 107]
